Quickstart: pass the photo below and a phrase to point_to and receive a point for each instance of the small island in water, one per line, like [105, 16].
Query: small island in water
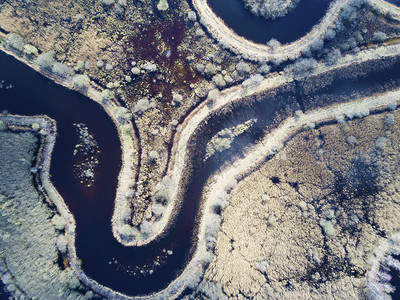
[200, 149]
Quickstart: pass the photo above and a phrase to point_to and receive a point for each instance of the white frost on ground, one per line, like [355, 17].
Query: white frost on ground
[28, 253]
[263, 52]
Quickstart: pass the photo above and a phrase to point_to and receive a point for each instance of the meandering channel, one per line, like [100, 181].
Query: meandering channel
[285, 29]
[103, 258]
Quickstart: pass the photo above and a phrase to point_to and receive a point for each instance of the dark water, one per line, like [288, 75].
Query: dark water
[395, 280]
[395, 2]
[286, 29]
[92, 208]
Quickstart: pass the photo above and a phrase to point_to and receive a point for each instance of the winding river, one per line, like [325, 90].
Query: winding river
[143, 270]
[286, 29]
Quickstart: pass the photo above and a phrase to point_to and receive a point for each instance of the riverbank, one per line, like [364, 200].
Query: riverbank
[316, 237]
[27, 234]
[199, 117]
[129, 144]
[291, 51]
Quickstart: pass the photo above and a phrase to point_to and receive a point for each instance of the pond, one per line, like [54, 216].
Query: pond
[289, 28]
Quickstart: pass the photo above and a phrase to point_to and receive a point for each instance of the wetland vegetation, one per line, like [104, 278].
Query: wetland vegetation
[169, 131]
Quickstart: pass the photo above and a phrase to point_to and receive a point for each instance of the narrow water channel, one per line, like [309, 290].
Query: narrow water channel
[289, 28]
[133, 270]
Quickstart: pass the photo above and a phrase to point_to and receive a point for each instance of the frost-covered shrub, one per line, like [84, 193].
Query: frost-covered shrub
[80, 64]
[253, 80]
[157, 209]
[340, 119]
[303, 66]
[380, 143]
[46, 60]
[123, 113]
[149, 67]
[333, 57]
[128, 231]
[379, 37]
[135, 71]
[58, 222]
[107, 95]
[119, 10]
[272, 220]
[100, 64]
[212, 290]
[309, 126]
[81, 82]
[146, 228]
[70, 278]
[199, 32]
[15, 42]
[264, 69]
[261, 266]
[327, 227]
[30, 50]
[142, 106]
[192, 16]
[213, 94]
[62, 243]
[3, 126]
[200, 68]
[243, 68]
[219, 80]
[162, 5]
[230, 185]
[87, 65]
[108, 2]
[392, 105]
[330, 34]
[62, 70]
[221, 200]
[212, 228]
[352, 140]
[177, 99]
[362, 112]
[88, 295]
[174, 123]
[270, 9]
[274, 43]
[109, 67]
[210, 69]
[162, 193]
[383, 263]
[35, 126]
[389, 119]
[317, 45]
[228, 79]
[153, 156]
